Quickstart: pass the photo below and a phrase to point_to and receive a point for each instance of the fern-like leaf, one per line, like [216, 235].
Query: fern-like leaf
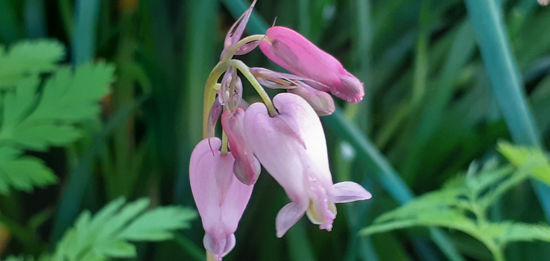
[22, 172]
[28, 58]
[527, 157]
[107, 234]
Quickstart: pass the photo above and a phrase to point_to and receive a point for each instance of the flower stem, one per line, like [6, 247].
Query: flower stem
[259, 89]
[233, 50]
[210, 257]
[210, 93]
[224, 143]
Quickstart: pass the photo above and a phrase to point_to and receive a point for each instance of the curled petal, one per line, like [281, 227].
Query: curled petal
[236, 31]
[213, 117]
[288, 216]
[246, 167]
[348, 191]
[219, 247]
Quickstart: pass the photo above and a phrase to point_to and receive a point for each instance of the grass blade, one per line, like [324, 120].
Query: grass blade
[486, 18]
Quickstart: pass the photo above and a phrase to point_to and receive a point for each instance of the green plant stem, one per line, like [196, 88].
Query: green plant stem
[210, 94]
[224, 143]
[233, 50]
[212, 81]
[21, 233]
[210, 257]
[496, 251]
[259, 89]
[66, 17]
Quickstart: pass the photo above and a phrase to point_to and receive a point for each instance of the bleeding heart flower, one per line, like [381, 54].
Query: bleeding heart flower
[246, 167]
[299, 56]
[291, 146]
[219, 196]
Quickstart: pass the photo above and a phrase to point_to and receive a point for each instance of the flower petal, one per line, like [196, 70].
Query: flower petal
[288, 216]
[320, 101]
[236, 31]
[219, 247]
[348, 191]
[246, 167]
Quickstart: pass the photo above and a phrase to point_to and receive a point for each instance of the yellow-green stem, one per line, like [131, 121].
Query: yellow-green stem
[224, 143]
[210, 257]
[233, 50]
[219, 69]
[210, 94]
[259, 89]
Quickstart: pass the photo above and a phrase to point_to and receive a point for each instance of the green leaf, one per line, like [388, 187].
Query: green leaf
[156, 224]
[527, 157]
[106, 234]
[21, 172]
[29, 57]
[514, 232]
[73, 96]
[67, 98]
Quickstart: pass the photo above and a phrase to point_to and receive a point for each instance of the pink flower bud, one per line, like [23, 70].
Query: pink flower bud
[246, 167]
[320, 101]
[291, 146]
[219, 196]
[299, 56]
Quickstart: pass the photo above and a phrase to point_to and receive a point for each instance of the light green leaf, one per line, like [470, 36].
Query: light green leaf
[107, 234]
[27, 58]
[21, 172]
[515, 232]
[528, 157]
[74, 96]
[154, 225]
[41, 136]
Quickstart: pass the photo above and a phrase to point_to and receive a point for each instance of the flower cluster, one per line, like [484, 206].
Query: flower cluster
[285, 135]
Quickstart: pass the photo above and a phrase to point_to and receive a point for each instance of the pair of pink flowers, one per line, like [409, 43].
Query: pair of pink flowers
[290, 145]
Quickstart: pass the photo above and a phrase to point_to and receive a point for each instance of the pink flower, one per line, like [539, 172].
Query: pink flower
[246, 167]
[291, 146]
[299, 56]
[219, 196]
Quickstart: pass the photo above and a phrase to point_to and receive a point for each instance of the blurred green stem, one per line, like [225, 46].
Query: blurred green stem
[66, 16]
[259, 89]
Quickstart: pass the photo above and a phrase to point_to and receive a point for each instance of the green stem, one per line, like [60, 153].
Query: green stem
[259, 89]
[210, 257]
[233, 50]
[496, 252]
[210, 94]
[219, 69]
[224, 143]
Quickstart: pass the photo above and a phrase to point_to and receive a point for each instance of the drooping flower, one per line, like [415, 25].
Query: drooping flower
[291, 147]
[299, 56]
[219, 196]
[246, 167]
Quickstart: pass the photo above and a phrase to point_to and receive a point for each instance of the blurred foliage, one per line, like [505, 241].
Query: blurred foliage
[463, 202]
[434, 104]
